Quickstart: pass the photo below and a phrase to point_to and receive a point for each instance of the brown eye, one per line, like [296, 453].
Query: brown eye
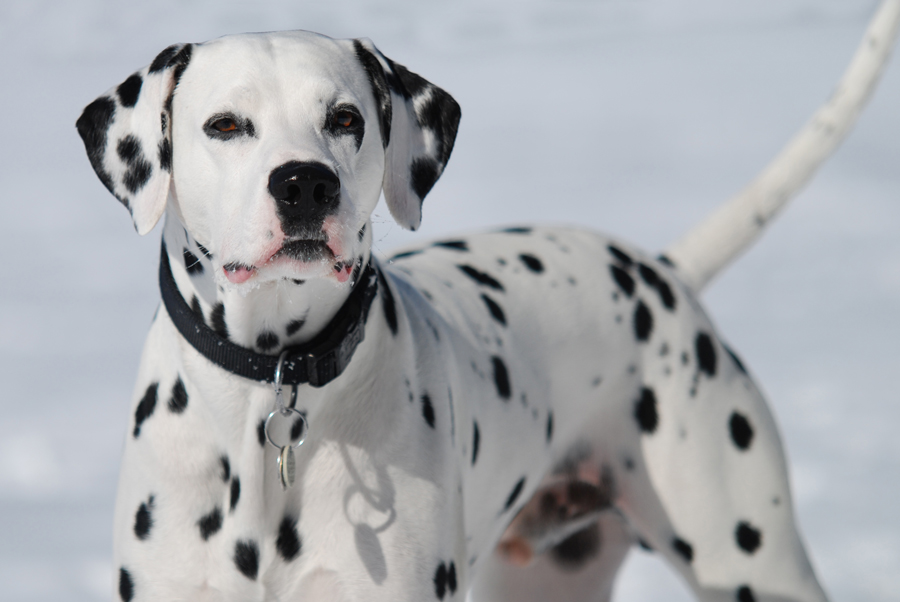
[225, 125]
[344, 119]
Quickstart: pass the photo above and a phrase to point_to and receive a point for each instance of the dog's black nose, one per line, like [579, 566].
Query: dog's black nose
[304, 191]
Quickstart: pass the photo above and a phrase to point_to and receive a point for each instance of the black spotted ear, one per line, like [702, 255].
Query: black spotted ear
[418, 126]
[127, 136]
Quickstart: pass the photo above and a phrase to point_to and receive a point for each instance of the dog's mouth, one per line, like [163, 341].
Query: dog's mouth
[308, 251]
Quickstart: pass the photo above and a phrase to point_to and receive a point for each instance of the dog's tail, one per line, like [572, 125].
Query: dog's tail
[711, 245]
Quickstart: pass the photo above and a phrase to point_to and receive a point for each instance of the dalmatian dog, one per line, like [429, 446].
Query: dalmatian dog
[501, 415]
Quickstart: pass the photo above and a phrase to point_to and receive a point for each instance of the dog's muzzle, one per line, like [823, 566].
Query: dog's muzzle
[304, 193]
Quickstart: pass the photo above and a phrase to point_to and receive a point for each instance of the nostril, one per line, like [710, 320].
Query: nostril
[293, 193]
[319, 194]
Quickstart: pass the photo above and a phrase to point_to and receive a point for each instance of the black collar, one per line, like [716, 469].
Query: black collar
[317, 362]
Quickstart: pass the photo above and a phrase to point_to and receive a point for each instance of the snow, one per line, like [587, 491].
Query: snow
[633, 117]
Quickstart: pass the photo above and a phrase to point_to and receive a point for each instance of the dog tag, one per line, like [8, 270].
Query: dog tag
[286, 467]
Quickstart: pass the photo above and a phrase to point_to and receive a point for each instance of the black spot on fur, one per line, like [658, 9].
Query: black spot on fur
[145, 408]
[643, 321]
[665, 260]
[217, 318]
[226, 468]
[179, 399]
[164, 58]
[165, 155]
[741, 431]
[451, 578]
[261, 432]
[706, 354]
[648, 274]
[744, 594]
[294, 326]
[361, 234]
[576, 550]
[644, 545]
[748, 537]
[129, 90]
[143, 519]
[427, 410]
[288, 542]
[645, 411]
[126, 585]
[458, 245]
[196, 307]
[480, 277]
[619, 254]
[549, 426]
[235, 493]
[387, 302]
[495, 309]
[210, 524]
[423, 173]
[192, 263]
[623, 279]
[406, 254]
[518, 230]
[93, 125]
[180, 61]
[683, 549]
[514, 494]
[266, 340]
[378, 83]
[501, 378]
[438, 112]
[138, 174]
[440, 581]
[476, 442]
[532, 263]
[246, 558]
[737, 361]
[666, 297]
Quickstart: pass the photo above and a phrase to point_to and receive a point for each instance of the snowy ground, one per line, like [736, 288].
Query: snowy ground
[634, 117]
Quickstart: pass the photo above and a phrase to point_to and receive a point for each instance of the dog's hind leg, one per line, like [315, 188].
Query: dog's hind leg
[706, 482]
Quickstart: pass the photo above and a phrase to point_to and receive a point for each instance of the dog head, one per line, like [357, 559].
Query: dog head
[272, 149]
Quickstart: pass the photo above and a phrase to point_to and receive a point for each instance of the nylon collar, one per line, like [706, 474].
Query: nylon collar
[317, 362]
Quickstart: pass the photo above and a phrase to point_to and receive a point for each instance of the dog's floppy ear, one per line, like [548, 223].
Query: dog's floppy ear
[418, 123]
[127, 134]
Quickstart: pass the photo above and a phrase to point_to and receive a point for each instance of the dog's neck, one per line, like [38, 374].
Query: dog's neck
[265, 318]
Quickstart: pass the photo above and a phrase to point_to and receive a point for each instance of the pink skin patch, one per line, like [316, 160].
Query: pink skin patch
[239, 275]
[333, 228]
[342, 272]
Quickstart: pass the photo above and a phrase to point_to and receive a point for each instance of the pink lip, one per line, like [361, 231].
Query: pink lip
[343, 271]
[239, 274]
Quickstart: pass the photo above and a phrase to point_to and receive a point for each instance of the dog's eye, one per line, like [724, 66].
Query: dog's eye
[228, 126]
[225, 125]
[344, 119]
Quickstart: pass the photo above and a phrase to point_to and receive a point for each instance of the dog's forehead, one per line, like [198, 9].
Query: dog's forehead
[275, 64]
